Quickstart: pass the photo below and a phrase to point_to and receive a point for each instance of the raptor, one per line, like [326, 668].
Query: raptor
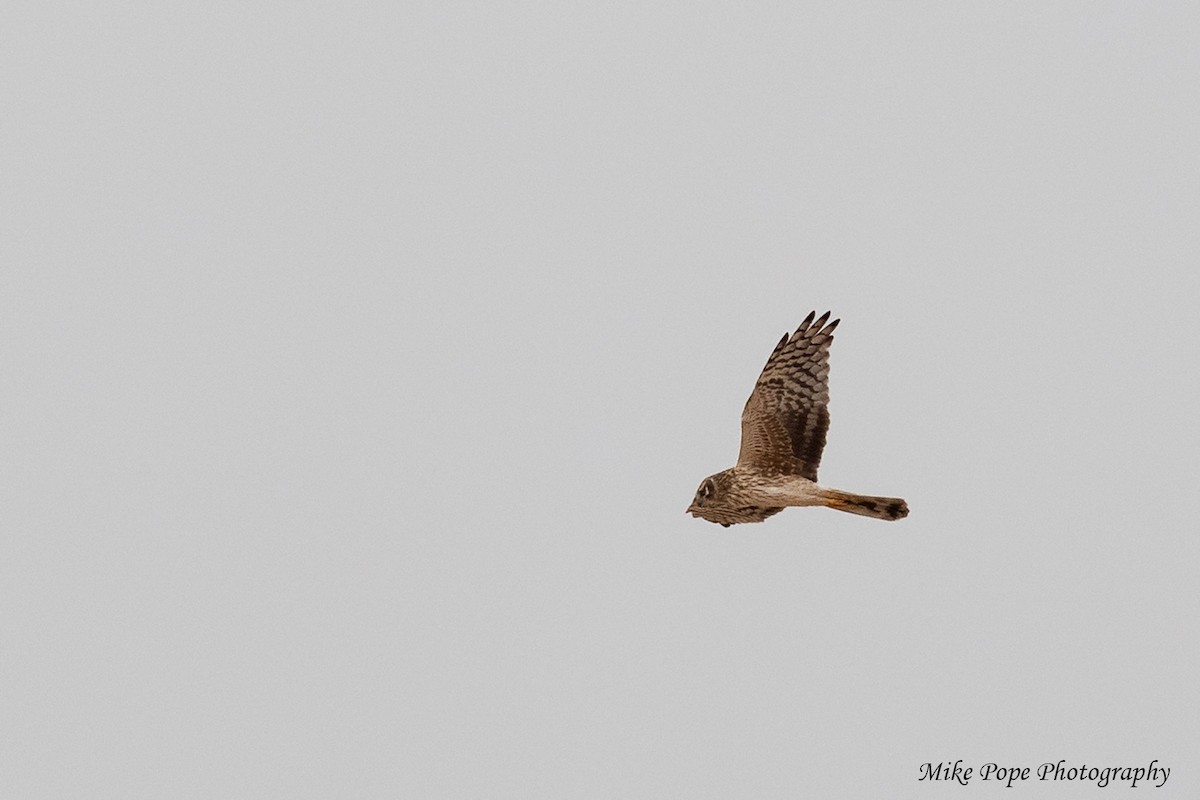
[783, 435]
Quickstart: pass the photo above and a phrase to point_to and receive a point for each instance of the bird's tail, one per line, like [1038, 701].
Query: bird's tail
[889, 508]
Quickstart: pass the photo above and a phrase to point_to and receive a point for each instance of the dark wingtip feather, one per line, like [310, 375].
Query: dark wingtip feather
[807, 321]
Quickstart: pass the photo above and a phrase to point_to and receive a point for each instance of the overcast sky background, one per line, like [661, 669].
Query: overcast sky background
[359, 361]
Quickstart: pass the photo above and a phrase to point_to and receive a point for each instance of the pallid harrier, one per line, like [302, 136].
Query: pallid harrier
[783, 433]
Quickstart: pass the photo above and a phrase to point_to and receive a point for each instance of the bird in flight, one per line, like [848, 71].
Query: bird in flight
[783, 434]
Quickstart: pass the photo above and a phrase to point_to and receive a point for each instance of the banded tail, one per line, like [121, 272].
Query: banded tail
[889, 508]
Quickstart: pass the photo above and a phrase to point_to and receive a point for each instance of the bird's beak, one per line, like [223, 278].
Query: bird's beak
[691, 509]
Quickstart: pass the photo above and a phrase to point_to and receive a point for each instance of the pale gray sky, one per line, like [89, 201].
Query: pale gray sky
[359, 362]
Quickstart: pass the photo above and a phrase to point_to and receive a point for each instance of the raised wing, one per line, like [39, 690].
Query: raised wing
[785, 419]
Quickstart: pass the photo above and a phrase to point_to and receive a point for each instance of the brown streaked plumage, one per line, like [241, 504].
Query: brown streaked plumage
[783, 435]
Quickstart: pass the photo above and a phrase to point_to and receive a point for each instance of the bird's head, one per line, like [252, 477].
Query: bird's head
[710, 496]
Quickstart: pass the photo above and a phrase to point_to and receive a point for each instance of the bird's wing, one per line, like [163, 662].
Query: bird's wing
[785, 419]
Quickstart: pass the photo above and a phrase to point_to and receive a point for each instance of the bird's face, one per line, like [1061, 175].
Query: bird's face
[709, 496]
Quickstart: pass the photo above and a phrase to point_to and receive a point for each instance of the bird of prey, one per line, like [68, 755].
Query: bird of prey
[783, 433]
